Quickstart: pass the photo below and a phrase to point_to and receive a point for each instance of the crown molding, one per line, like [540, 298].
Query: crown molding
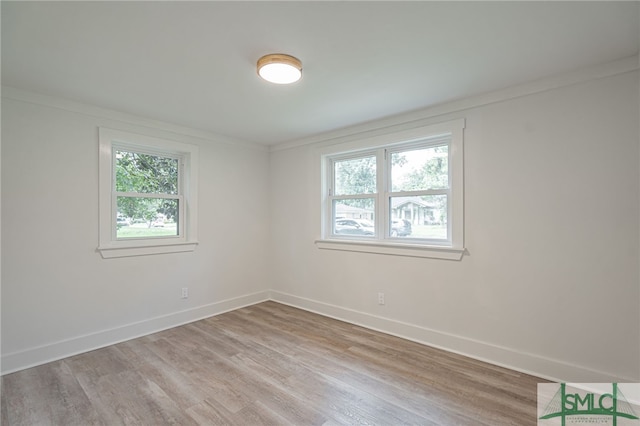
[427, 115]
[419, 117]
[21, 95]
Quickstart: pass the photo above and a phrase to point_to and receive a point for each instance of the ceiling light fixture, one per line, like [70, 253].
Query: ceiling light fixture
[280, 68]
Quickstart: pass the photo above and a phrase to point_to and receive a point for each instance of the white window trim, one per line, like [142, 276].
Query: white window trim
[109, 246]
[450, 250]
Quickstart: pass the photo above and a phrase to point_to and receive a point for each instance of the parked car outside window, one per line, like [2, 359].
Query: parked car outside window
[123, 221]
[400, 228]
[354, 227]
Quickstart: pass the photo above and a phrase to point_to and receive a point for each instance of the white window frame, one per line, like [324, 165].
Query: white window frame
[110, 246]
[383, 146]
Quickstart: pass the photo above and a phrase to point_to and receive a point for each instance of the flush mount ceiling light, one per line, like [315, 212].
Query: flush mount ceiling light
[280, 68]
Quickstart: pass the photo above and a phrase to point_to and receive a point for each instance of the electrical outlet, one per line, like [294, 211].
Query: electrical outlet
[185, 292]
[380, 298]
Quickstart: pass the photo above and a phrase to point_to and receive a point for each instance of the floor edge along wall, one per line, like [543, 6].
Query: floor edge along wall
[532, 364]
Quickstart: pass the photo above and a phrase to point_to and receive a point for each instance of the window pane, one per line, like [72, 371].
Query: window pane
[420, 169]
[144, 173]
[355, 176]
[146, 217]
[354, 217]
[419, 217]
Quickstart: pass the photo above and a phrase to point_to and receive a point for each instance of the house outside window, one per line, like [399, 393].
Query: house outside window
[148, 195]
[399, 193]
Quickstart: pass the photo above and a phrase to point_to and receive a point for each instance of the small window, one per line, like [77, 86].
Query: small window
[400, 195]
[147, 195]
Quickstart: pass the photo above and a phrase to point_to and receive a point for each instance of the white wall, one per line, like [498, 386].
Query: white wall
[550, 284]
[58, 295]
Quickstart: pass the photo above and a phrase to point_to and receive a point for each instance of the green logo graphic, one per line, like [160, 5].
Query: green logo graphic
[613, 405]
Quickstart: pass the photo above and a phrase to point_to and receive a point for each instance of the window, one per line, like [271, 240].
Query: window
[148, 191]
[397, 194]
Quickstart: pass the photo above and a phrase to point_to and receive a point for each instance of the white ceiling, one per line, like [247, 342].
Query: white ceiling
[193, 63]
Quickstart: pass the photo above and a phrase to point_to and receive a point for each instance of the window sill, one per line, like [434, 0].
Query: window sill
[394, 249]
[145, 250]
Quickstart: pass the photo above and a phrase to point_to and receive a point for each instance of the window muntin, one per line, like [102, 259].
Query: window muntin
[418, 168]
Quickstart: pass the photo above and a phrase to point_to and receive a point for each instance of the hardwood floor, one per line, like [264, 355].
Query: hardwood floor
[268, 364]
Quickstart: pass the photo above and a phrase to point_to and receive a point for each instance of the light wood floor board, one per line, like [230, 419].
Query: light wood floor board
[268, 364]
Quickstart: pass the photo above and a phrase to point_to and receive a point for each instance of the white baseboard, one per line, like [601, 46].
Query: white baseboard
[527, 363]
[535, 365]
[32, 357]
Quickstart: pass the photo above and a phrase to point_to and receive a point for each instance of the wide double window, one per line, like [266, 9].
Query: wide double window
[402, 194]
[147, 195]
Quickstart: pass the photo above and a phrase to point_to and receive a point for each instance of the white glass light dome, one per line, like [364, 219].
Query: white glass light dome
[279, 68]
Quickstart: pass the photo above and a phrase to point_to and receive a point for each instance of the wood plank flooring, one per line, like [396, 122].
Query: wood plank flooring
[268, 364]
